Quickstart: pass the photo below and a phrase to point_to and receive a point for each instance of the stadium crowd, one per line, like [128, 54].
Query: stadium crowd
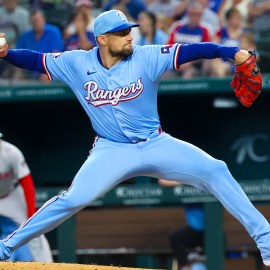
[57, 25]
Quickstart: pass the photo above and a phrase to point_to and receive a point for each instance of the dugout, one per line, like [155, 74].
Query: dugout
[47, 123]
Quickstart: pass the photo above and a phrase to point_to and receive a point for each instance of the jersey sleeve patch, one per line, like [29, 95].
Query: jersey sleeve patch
[165, 49]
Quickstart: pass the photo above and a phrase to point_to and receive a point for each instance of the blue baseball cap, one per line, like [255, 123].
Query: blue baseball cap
[111, 21]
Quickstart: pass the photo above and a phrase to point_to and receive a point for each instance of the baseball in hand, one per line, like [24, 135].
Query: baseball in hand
[2, 42]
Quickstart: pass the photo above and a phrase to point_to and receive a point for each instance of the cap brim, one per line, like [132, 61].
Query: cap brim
[123, 27]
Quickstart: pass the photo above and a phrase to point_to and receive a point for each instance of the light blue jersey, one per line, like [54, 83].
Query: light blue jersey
[121, 102]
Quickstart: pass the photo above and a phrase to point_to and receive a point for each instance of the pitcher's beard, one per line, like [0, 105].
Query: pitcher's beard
[121, 54]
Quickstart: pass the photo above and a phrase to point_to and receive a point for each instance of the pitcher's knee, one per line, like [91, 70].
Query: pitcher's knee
[220, 166]
[217, 171]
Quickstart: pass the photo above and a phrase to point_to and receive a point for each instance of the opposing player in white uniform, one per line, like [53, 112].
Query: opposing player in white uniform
[116, 83]
[17, 202]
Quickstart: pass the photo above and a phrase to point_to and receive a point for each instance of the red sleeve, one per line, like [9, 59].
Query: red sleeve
[205, 35]
[29, 193]
[218, 34]
[171, 38]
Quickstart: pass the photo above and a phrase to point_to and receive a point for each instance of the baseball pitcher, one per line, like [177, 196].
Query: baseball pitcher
[117, 83]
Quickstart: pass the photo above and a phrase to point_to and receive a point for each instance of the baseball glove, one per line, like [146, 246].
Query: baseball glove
[247, 81]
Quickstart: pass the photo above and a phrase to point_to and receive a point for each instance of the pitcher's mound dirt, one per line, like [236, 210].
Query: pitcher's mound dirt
[57, 266]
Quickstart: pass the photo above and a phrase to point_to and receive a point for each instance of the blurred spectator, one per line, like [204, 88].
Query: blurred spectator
[241, 5]
[42, 38]
[209, 18]
[215, 5]
[13, 21]
[86, 7]
[180, 10]
[164, 23]
[228, 35]
[57, 12]
[259, 11]
[168, 11]
[187, 242]
[82, 38]
[247, 42]
[190, 32]
[15, 16]
[150, 34]
[134, 7]
[164, 8]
